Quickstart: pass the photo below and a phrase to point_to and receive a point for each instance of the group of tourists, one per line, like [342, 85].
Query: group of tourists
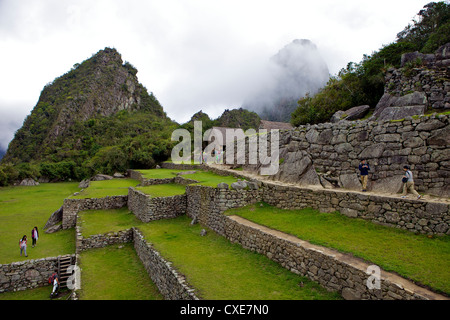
[407, 179]
[23, 243]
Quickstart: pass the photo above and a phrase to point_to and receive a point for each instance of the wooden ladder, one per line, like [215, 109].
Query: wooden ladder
[63, 264]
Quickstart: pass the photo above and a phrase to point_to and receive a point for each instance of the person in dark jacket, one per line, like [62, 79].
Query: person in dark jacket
[364, 173]
[34, 236]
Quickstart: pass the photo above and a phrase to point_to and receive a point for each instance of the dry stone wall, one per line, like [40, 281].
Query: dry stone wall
[333, 270]
[171, 284]
[72, 206]
[327, 155]
[27, 274]
[425, 73]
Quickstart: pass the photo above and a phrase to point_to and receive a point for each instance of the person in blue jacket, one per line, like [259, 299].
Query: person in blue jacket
[364, 172]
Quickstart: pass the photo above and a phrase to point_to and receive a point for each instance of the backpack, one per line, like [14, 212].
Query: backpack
[52, 277]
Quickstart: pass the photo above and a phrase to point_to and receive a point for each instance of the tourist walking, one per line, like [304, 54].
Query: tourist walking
[34, 236]
[408, 183]
[23, 245]
[364, 173]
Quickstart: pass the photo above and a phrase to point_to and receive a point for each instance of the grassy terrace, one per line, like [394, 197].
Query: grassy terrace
[210, 179]
[205, 178]
[101, 189]
[41, 293]
[159, 173]
[217, 268]
[417, 257]
[163, 190]
[115, 273]
[104, 221]
[22, 208]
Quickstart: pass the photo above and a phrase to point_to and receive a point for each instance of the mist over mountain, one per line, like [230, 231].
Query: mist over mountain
[295, 70]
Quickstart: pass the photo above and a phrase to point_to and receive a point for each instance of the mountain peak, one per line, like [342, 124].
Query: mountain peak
[100, 86]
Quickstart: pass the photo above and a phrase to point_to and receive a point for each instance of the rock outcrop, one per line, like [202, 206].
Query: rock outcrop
[421, 84]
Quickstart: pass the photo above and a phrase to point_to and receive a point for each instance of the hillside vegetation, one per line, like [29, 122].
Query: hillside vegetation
[95, 118]
[363, 83]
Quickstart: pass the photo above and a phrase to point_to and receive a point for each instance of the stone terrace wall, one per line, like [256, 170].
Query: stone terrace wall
[413, 215]
[72, 206]
[333, 270]
[207, 204]
[432, 77]
[335, 151]
[28, 274]
[171, 284]
[103, 240]
[147, 208]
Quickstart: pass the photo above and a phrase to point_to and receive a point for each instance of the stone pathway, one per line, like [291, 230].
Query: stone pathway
[249, 175]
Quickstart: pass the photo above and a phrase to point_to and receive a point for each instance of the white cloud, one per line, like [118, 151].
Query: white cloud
[192, 55]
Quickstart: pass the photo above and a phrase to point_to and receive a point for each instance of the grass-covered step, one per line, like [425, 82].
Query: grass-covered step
[421, 258]
[104, 188]
[209, 179]
[105, 221]
[211, 263]
[115, 273]
[41, 293]
[21, 209]
[163, 190]
[159, 173]
[220, 270]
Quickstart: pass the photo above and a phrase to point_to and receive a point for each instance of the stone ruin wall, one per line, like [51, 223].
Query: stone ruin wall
[71, 207]
[428, 74]
[147, 208]
[327, 155]
[29, 274]
[331, 269]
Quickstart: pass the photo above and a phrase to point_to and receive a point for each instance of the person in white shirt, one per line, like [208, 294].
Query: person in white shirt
[23, 245]
[409, 184]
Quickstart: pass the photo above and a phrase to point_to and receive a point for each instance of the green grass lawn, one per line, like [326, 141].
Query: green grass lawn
[159, 173]
[41, 293]
[422, 259]
[210, 179]
[222, 270]
[101, 189]
[163, 190]
[21, 209]
[115, 273]
[205, 178]
[104, 221]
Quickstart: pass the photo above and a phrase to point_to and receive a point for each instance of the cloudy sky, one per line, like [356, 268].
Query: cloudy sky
[192, 54]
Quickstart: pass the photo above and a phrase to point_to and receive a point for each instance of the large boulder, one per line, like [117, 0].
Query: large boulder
[84, 184]
[350, 181]
[396, 113]
[394, 108]
[239, 185]
[29, 182]
[412, 57]
[354, 113]
[101, 177]
[390, 185]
